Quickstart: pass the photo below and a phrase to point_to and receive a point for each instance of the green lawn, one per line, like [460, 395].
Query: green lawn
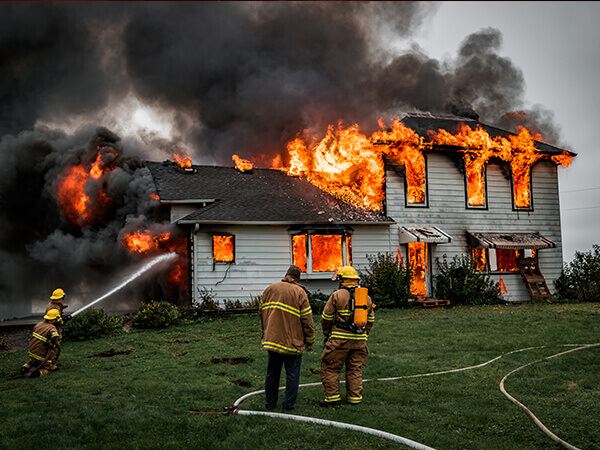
[141, 399]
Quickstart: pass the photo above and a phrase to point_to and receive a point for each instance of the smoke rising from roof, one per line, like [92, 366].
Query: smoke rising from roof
[229, 78]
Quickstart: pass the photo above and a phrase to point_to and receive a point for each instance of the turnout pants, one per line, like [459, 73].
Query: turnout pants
[336, 354]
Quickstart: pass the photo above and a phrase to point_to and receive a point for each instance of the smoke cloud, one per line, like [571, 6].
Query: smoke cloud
[216, 77]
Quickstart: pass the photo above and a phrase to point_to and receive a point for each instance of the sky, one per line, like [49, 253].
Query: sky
[118, 83]
[555, 44]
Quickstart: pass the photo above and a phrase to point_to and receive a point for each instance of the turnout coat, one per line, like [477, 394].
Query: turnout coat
[286, 318]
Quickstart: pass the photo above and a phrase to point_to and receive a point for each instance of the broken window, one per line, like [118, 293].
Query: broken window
[521, 189]
[223, 248]
[321, 252]
[415, 180]
[475, 182]
[500, 259]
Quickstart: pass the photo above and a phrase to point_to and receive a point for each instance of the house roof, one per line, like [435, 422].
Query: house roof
[421, 123]
[261, 196]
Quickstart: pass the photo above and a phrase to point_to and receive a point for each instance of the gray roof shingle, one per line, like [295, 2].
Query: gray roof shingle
[262, 196]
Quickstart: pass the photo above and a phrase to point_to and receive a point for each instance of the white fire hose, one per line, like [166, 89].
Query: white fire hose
[401, 439]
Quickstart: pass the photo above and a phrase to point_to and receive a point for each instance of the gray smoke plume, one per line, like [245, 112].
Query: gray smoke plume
[240, 78]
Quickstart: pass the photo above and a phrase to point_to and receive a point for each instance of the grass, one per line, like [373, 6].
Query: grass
[141, 399]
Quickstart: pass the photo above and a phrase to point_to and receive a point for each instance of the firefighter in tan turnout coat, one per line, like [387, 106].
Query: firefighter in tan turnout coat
[43, 341]
[56, 302]
[287, 331]
[345, 344]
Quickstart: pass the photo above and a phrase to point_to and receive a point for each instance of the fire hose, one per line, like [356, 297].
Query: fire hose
[235, 408]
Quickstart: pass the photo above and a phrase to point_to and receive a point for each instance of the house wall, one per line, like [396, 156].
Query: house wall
[262, 256]
[447, 210]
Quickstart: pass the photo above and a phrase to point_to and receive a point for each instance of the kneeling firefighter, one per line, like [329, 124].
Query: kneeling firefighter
[57, 302]
[42, 343]
[346, 321]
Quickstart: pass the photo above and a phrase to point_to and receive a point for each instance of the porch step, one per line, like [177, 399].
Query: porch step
[430, 302]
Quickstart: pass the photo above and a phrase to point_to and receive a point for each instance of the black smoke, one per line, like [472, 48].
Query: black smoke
[239, 77]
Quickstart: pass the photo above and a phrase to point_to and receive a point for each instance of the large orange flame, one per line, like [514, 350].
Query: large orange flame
[146, 242]
[243, 165]
[299, 251]
[78, 181]
[223, 250]
[418, 262]
[326, 252]
[349, 165]
[182, 158]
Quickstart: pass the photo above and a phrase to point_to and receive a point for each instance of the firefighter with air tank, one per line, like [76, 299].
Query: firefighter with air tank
[346, 321]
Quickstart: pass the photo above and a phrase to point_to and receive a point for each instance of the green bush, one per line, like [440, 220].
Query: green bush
[388, 282]
[317, 301]
[580, 279]
[90, 324]
[462, 285]
[157, 314]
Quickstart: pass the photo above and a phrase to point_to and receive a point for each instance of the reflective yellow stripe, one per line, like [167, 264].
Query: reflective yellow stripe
[327, 316]
[306, 312]
[39, 358]
[370, 319]
[333, 398]
[342, 335]
[55, 334]
[283, 307]
[354, 399]
[280, 348]
[344, 312]
[41, 338]
[310, 340]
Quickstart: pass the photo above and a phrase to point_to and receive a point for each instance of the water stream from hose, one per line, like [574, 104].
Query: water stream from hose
[142, 270]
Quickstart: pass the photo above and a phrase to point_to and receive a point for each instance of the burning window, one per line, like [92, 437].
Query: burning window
[475, 183]
[415, 186]
[500, 259]
[224, 248]
[521, 187]
[418, 261]
[314, 252]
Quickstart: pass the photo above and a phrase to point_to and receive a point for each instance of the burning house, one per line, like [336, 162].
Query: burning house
[424, 188]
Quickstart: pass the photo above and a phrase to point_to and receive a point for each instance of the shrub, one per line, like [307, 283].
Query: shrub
[462, 285]
[206, 300]
[580, 279]
[317, 301]
[90, 324]
[157, 314]
[388, 282]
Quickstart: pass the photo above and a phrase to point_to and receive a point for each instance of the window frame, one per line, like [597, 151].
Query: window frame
[513, 191]
[425, 203]
[497, 271]
[483, 207]
[212, 240]
[346, 247]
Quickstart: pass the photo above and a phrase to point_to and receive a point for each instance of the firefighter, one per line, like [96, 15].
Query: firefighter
[42, 344]
[287, 331]
[56, 302]
[345, 344]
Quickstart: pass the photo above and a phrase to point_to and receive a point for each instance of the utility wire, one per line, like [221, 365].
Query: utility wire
[580, 190]
[578, 209]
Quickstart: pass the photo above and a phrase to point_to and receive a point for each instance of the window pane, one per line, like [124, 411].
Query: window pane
[223, 248]
[475, 181]
[326, 252]
[480, 258]
[507, 259]
[299, 251]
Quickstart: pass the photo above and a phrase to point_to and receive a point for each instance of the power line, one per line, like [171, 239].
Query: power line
[578, 209]
[580, 190]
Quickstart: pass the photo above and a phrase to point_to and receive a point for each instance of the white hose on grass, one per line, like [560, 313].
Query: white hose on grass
[401, 439]
[344, 426]
[537, 421]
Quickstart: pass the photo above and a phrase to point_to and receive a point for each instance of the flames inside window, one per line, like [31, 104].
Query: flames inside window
[500, 259]
[223, 248]
[418, 261]
[475, 173]
[321, 252]
[521, 180]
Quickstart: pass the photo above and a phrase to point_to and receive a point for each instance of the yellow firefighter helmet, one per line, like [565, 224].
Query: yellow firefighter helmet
[52, 314]
[347, 272]
[58, 294]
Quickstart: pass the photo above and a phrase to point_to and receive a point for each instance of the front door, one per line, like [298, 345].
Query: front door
[418, 259]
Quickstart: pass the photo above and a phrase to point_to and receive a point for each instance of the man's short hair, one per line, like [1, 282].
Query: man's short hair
[293, 272]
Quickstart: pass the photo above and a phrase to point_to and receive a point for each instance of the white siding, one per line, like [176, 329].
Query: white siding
[447, 210]
[262, 256]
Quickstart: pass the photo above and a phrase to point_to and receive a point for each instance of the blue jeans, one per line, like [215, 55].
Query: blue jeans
[292, 364]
